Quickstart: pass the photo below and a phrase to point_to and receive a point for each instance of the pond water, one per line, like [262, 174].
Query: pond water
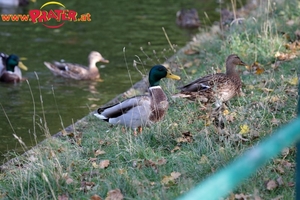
[115, 26]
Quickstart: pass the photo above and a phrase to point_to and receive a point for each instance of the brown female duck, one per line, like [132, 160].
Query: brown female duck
[10, 68]
[141, 110]
[187, 18]
[216, 88]
[76, 71]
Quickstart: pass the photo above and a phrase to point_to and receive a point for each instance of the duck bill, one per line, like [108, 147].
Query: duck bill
[104, 60]
[172, 76]
[22, 66]
[242, 63]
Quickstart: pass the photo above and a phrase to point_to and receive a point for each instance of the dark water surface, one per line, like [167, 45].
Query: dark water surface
[115, 25]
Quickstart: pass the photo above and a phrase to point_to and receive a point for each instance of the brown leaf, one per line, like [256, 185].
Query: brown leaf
[95, 197]
[63, 197]
[175, 149]
[175, 175]
[161, 161]
[280, 197]
[285, 56]
[191, 52]
[104, 164]
[86, 186]
[99, 152]
[114, 195]
[241, 196]
[280, 181]
[271, 185]
[186, 137]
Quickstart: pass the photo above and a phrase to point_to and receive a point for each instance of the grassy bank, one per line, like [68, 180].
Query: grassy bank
[166, 160]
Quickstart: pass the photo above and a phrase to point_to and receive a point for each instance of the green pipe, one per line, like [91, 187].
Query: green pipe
[224, 181]
[297, 178]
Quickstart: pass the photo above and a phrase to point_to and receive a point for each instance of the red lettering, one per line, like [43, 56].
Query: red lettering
[5, 18]
[14, 17]
[64, 15]
[34, 15]
[72, 15]
[24, 18]
[88, 17]
[58, 13]
[52, 15]
[43, 16]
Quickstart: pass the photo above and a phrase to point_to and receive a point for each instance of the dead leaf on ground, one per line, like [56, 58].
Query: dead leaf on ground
[175, 149]
[114, 195]
[293, 81]
[280, 197]
[86, 186]
[244, 129]
[99, 152]
[255, 68]
[170, 180]
[242, 196]
[63, 197]
[280, 181]
[285, 56]
[191, 52]
[186, 137]
[188, 64]
[271, 185]
[96, 197]
[104, 164]
[267, 90]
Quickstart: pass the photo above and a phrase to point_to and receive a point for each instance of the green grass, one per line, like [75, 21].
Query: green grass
[140, 165]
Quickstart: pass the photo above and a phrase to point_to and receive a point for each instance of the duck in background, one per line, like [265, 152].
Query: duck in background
[14, 3]
[143, 110]
[10, 68]
[188, 18]
[217, 87]
[77, 71]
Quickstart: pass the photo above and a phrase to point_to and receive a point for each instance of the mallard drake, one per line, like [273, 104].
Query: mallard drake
[142, 110]
[216, 88]
[187, 18]
[76, 71]
[9, 68]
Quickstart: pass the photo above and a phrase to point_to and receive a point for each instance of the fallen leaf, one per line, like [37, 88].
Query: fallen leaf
[267, 89]
[226, 112]
[244, 129]
[99, 152]
[175, 149]
[95, 197]
[175, 175]
[63, 197]
[293, 81]
[104, 164]
[114, 195]
[280, 181]
[275, 121]
[191, 52]
[95, 165]
[271, 185]
[204, 159]
[280, 197]
[285, 56]
[188, 64]
[241, 196]
[186, 137]
[86, 186]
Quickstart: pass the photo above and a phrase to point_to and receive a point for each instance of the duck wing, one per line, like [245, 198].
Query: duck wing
[122, 108]
[68, 70]
[203, 83]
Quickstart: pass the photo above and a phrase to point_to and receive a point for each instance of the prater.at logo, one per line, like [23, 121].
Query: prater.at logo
[52, 14]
